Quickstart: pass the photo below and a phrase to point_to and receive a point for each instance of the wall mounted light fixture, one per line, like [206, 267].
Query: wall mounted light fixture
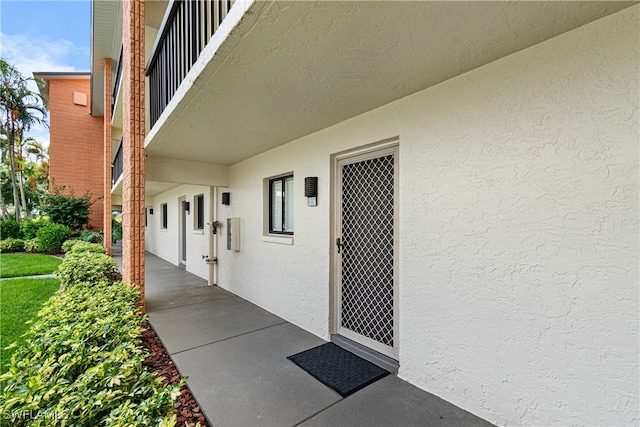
[311, 190]
[226, 199]
[151, 211]
[185, 206]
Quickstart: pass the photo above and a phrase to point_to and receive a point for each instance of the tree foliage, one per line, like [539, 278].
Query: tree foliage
[67, 209]
[20, 109]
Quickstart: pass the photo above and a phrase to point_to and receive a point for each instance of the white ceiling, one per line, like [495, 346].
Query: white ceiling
[291, 68]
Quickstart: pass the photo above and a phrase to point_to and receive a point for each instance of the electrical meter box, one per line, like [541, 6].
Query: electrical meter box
[233, 234]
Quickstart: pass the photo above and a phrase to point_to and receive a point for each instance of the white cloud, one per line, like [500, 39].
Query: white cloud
[29, 54]
[40, 133]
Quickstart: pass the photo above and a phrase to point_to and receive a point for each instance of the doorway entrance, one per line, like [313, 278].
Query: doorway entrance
[366, 255]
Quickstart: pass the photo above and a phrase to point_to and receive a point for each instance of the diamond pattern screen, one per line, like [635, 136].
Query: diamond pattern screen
[367, 254]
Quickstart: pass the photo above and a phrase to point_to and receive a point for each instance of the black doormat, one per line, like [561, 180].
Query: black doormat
[338, 369]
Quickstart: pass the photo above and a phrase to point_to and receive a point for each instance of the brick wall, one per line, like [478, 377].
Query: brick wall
[75, 153]
[106, 155]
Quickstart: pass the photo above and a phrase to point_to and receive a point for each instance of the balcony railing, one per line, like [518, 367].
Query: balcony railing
[116, 166]
[186, 29]
[116, 82]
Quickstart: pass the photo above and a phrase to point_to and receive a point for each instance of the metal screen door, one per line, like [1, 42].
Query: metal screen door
[365, 242]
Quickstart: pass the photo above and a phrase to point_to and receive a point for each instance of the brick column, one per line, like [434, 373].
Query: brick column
[106, 217]
[133, 144]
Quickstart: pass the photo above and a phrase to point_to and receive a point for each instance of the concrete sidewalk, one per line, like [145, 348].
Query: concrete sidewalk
[235, 355]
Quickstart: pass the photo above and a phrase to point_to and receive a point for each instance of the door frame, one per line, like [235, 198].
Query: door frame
[182, 232]
[382, 148]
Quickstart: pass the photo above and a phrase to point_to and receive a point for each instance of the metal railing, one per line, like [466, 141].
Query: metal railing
[116, 166]
[187, 27]
[116, 82]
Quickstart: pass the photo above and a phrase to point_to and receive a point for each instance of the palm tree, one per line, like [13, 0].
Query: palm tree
[20, 109]
[3, 143]
[32, 167]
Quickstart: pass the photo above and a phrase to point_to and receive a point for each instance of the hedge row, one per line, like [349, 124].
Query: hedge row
[26, 230]
[87, 264]
[81, 364]
[48, 239]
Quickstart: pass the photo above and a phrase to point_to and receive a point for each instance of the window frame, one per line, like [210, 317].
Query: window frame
[282, 179]
[164, 216]
[198, 205]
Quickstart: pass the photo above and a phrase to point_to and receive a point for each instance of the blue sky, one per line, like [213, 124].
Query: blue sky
[45, 36]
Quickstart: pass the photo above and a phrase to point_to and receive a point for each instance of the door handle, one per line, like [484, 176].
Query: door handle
[339, 244]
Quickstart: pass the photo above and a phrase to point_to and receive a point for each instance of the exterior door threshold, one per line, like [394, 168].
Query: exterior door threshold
[366, 353]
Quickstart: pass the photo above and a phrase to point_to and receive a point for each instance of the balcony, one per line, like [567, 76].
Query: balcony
[116, 82]
[276, 71]
[116, 166]
[185, 31]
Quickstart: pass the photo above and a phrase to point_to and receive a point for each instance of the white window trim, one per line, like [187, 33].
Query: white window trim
[164, 227]
[197, 230]
[280, 239]
[267, 211]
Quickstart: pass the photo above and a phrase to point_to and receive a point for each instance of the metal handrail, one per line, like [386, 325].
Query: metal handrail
[187, 27]
[117, 165]
[117, 81]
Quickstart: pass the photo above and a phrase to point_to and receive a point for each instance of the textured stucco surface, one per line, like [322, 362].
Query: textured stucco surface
[278, 70]
[518, 231]
[519, 236]
[165, 243]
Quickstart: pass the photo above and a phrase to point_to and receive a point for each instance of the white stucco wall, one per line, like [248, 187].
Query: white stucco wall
[518, 234]
[165, 243]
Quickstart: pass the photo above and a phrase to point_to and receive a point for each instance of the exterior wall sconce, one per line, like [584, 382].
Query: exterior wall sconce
[226, 199]
[311, 190]
[150, 211]
[185, 206]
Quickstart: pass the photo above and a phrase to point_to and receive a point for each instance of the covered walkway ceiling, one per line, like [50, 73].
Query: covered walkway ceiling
[291, 68]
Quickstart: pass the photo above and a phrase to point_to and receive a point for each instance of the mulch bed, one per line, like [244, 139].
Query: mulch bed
[161, 364]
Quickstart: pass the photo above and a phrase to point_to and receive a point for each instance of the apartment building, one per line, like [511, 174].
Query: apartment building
[451, 186]
[75, 137]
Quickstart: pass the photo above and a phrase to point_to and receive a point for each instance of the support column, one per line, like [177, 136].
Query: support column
[106, 215]
[133, 144]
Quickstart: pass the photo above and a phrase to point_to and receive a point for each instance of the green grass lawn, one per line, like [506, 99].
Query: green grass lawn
[16, 265]
[20, 300]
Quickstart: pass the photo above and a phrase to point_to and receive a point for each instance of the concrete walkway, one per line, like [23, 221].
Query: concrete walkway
[37, 276]
[235, 355]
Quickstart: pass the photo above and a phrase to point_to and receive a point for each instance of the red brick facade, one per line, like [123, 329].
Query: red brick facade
[107, 154]
[76, 143]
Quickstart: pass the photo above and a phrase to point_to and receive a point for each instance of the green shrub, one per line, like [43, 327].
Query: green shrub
[9, 228]
[51, 236]
[116, 228]
[31, 246]
[81, 246]
[69, 244]
[30, 226]
[90, 236]
[87, 267]
[81, 365]
[11, 245]
[67, 209]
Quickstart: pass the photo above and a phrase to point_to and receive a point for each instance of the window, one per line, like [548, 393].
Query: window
[281, 205]
[198, 220]
[163, 208]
